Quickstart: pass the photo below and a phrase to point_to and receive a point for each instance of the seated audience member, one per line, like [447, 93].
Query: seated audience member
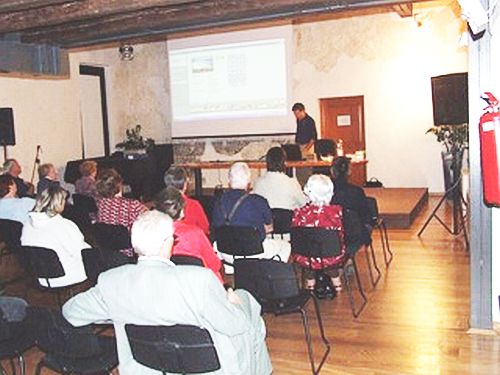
[13, 168]
[280, 190]
[85, 185]
[239, 208]
[11, 207]
[156, 292]
[189, 239]
[319, 213]
[13, 308]
[47, 228]
[351, 197]
[48, 177]
[112, 207]
[193, 211]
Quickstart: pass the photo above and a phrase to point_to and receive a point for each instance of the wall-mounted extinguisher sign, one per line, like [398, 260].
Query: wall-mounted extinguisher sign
[489, 134]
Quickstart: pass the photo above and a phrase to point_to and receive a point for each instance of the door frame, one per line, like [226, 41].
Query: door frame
[361, 115]
[98, 71]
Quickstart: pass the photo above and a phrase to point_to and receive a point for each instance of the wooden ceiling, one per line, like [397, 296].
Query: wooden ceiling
[78, 23]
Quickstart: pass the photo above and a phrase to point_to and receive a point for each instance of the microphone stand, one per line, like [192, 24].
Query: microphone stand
[37, 162]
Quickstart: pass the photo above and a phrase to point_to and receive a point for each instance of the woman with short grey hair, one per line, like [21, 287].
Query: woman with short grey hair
[320, 213]
[47, 228]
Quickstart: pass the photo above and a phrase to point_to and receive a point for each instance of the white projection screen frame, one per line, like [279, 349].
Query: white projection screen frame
[235, 83]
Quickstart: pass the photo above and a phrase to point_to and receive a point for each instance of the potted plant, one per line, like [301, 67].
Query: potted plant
[135, 143]
[455, 139]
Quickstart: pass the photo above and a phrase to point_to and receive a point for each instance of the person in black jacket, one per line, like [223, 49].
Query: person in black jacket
[353, 198]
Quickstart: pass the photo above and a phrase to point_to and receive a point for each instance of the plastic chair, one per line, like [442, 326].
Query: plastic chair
[96, 261]
[321, 242]
[110, 237]
[177, 349]
[379, 223]
[238, 241]
[274, 284]
[10, 234]
[45, 264]
[15, 339]
[282, 221]
[186, 260]
[354, 230]
[71, 350]
[85, 203]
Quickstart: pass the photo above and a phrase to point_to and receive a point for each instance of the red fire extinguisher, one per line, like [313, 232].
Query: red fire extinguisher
[489, 134]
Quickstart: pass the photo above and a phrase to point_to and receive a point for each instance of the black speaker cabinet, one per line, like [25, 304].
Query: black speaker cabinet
[450, 99]
[7, 136]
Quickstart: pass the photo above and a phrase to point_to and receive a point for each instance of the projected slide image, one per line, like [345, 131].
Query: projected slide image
[231, 80]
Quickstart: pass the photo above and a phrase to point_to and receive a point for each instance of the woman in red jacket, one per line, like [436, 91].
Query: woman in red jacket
[189, 239]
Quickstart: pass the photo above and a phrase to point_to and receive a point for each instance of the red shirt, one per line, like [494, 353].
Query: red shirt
[329, 217]
[119, 211]
[190, 240]
[195, 215]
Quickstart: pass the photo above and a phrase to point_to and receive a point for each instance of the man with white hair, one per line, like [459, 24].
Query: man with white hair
[239, 208]
[13, 168]
[156, 292]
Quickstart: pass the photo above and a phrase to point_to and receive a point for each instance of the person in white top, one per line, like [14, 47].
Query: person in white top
[47, 228]
[280, 190]
[12, 207]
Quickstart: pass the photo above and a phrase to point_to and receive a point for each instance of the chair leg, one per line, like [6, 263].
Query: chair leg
[384, 237]
[375, 265]
[305, 323]
[322, 334]
[355, 312]
[22, 365]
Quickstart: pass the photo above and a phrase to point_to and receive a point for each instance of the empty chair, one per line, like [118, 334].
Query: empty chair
[238, 241]
[110, 236]
[282, 221]
[16, 337]
[275, 286]
[45, 266]
[177, 349]
[71, 350]
[379, 223]
[320, 242]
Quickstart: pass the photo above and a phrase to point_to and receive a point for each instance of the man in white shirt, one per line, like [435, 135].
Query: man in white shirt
[156, 292]
[280, 190]
[12, 207]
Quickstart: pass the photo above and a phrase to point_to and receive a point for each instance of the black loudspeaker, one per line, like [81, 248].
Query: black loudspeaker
[450, 96]
[7, 136]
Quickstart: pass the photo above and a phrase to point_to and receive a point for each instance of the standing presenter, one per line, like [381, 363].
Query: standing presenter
[306, 133]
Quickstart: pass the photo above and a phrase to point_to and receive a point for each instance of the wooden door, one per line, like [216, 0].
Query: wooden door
[343, 118]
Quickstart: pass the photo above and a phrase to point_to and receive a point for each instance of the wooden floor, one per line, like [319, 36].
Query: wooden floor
[416, 320]
[399, 207]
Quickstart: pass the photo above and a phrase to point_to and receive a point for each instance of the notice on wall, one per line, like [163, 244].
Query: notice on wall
[344, 120]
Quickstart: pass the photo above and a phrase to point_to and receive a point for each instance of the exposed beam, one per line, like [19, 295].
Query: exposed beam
[77, 11]
[404, 10]
[192, 16]
[20, 5]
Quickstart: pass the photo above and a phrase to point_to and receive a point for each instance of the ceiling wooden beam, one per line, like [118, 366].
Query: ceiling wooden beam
[77, 11]
[404, 10]
[186, 17]
[20, 5]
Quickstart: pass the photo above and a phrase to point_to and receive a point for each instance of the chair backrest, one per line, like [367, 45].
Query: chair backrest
[178, 349]
[266, 279]
[354, 228]
[84, 202]
[373, 207]
[186, 260]
[315, 242]
[282, 220]
[96, 261]
[111, 237]
[5, 331]
[10, 232]
[325, 147]
[292, 151]
[238, 240]
[44, 263]
[55, 335]
[78, 216]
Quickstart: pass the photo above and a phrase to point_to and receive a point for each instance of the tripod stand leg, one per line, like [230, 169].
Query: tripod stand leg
[433, 213]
